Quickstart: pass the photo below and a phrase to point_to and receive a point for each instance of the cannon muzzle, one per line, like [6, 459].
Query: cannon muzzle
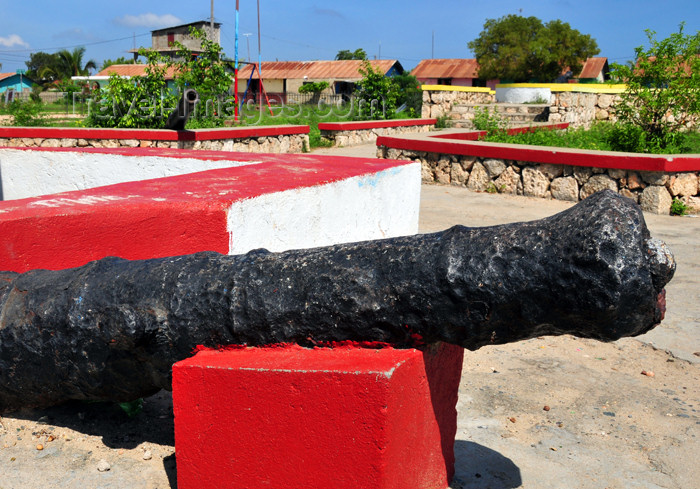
[185, 106]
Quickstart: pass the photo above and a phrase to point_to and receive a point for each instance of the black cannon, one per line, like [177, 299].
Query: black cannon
[112, 329]
[185, 107]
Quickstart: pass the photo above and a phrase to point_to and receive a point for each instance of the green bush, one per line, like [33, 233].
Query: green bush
[663, 91]
[27, 113]
[377, 94]
[489, 120]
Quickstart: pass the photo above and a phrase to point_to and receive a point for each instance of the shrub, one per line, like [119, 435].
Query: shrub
[27, 113]
[377, 94]
[663, 90]
[489, 120]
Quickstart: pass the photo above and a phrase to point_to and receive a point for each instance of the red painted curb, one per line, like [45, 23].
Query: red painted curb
[343, 418]
[456, 145]
[150, 134]
[159, 217]
[355, 125]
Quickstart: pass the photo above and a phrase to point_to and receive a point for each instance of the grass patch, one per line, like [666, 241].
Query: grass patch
[600, 137]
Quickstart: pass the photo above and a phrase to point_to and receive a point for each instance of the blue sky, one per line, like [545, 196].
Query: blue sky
[313, 29]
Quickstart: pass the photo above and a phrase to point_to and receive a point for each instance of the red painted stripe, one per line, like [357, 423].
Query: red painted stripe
[150, 134]
[540, 154]
[355, 125]
[155, 218]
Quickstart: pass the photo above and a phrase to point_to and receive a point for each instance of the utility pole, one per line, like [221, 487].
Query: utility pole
[247, 42]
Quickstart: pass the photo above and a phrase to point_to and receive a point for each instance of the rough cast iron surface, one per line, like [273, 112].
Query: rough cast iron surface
[112, 329]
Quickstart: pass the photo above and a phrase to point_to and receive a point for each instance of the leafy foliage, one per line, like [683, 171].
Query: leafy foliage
[410, 95]
[678, 208]
[146, 102]
[347, 54]
[524, 49]
[489, 120]
[27, 113]
[377, 94]
[205, 72]
[136, 103]
[313, 87]
[663, 92]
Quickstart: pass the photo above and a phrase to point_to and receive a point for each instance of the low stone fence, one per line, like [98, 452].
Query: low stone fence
[582, 109]
[438, 100]
[578, 104]
[253, 139]
[363, 132]
[449, 158]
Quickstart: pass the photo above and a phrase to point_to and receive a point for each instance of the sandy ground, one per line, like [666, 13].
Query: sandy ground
[545, 413]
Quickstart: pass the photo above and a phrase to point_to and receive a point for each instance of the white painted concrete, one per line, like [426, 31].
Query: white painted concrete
[381, 205]
[33, 173]
[521, 95]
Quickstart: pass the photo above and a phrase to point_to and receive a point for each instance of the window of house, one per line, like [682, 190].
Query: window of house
[171, 38]
[444, 81]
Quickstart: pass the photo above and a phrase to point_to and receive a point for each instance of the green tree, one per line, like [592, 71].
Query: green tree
[314, 88]
[206, 73]
[347, 54]
[524, 49]
[376, 93]
[409, 93]
[68, 64]
[45, 63]
[142, 102]
[662, 97]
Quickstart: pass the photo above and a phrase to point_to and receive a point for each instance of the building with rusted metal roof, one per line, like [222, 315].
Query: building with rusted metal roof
[281, 78]
[125, 71]
[594, 70]
[454, 71]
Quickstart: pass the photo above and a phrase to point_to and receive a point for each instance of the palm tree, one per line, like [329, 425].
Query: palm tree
[68, 64]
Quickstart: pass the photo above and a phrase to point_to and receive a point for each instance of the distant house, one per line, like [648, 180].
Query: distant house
[454, 71]
[13, 83]
[594, 70]
[124, 71]
[163, 40]
[281, 78]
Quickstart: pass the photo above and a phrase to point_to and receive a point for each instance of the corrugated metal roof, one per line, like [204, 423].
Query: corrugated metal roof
[131, 70]
[446, 68]
[315, 70]
[593, 67]
[6, 75]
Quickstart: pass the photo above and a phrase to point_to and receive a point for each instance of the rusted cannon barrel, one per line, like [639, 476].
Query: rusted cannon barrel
[112, 329]
[177, 119]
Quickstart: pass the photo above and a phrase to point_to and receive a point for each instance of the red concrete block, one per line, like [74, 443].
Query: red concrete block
[296, 418]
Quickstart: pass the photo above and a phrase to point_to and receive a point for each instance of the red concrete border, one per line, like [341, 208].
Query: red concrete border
[150, 134]
[155, 218]
[356, 125]
[341, 418]
[477, 135]
[456, 144]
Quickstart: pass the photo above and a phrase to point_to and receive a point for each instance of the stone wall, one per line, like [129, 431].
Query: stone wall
[289, 143]
[582, 109]
[654, 191]
[355, 137]
[439, 103]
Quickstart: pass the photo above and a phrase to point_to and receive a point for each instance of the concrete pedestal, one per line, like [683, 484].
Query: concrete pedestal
[290, 417]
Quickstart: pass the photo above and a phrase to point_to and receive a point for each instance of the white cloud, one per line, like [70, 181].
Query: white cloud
[148, 20]
[13, 40]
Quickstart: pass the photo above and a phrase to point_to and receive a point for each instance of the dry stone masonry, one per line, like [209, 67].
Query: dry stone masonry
[291, 143]
[654, 191]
